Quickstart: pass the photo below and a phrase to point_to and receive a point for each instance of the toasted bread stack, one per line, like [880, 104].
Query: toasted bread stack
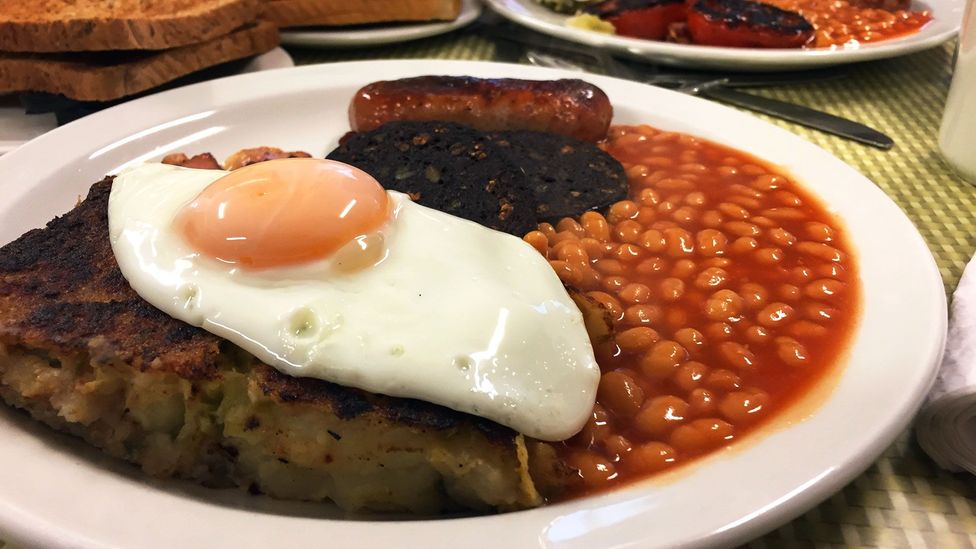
[304, 13]
[102, 50]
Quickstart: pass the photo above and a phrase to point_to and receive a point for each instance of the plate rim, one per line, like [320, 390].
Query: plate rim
[748, 59]
[339, 38]
[37, 529]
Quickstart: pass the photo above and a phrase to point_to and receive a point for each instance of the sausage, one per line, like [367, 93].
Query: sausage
[568, 107]
[746, 24]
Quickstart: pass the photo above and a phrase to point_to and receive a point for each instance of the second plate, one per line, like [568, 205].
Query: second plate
[344, 37]
[947, 16]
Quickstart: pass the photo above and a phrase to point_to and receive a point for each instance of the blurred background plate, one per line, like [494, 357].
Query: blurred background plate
[946, 14]
[377, 35]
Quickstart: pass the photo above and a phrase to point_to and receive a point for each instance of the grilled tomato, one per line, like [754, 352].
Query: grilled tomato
[746, 24]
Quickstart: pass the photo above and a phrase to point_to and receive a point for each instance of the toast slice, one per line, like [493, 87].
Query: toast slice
[80, 351]
[304, 13]
[96, 25]
[105, 76]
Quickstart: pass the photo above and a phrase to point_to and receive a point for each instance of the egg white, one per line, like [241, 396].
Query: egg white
[454, 314]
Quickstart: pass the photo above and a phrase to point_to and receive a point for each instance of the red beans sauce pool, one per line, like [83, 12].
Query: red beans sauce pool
[732, 292]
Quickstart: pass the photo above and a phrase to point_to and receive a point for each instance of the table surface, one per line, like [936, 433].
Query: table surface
[904, 499]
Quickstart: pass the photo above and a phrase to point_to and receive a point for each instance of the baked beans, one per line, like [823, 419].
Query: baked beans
[838, 23]
[730, 295]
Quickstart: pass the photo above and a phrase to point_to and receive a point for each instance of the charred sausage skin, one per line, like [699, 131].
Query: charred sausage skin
[567, 107]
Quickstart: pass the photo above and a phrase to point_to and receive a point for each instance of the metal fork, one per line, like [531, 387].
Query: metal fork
[718, 89]
[556, 53]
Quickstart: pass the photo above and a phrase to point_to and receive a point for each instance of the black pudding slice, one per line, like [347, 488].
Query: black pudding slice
[446, 166]
[567, 176]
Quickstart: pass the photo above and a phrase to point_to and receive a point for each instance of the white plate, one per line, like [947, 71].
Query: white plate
[17, 127]
[341, 37]
[277, 58]
[54, 491]
[947, 15]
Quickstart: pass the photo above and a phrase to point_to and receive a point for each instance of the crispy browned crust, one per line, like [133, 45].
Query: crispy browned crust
[61, 291]
[236, 161]
[246, 157]
[202, 161]
[64, 25]
[105, 76]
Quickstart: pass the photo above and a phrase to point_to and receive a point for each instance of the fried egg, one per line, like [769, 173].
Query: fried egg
[318, 271]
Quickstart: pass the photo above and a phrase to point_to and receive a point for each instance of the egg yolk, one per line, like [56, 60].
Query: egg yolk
[283, 212]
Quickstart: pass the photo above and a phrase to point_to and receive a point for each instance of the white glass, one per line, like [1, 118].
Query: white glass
[957, 137]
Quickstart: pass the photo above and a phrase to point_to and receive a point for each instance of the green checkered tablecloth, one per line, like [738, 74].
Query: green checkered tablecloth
[903, 500]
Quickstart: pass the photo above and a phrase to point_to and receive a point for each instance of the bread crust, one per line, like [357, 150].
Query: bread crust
[303, 13]
[105, 76]
[90, 25]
